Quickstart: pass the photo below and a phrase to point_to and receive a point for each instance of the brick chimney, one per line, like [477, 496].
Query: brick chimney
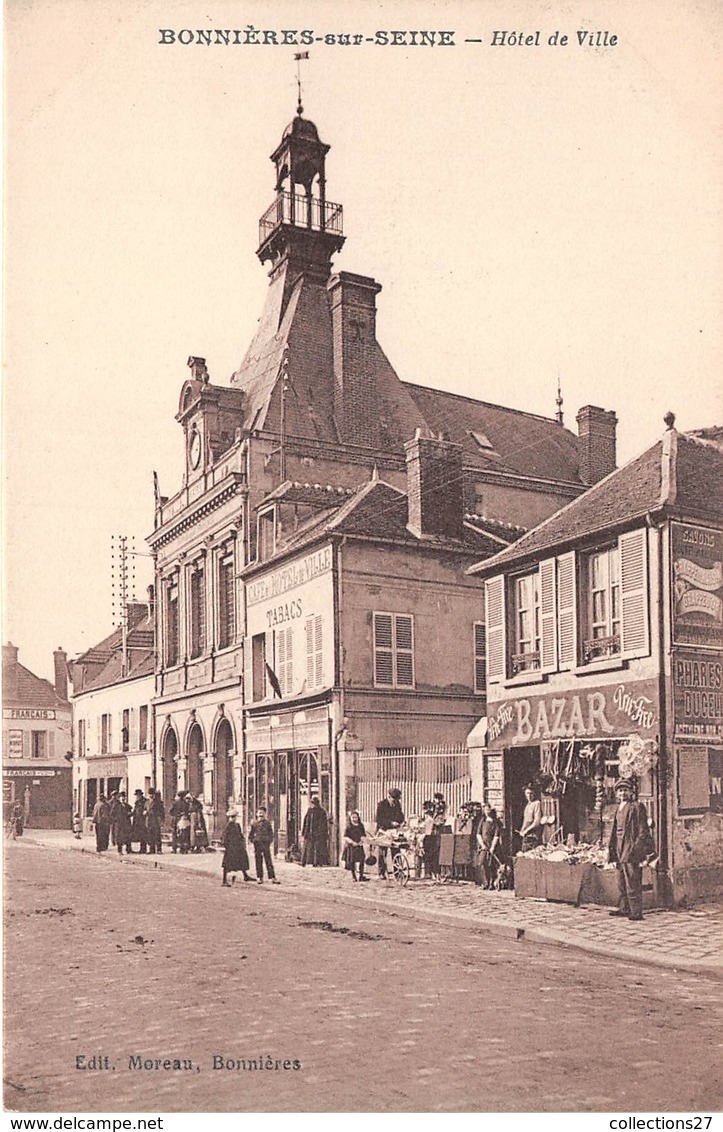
[596, 445]
[434, 486]
[60, 667]
[10, 672]
[352, 300]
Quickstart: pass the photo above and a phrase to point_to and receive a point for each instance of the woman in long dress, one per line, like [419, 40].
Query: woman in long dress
[199, 833]
[235, 857]
[354, 854]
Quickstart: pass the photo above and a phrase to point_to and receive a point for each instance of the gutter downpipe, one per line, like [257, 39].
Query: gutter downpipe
[339, 606]
[663, 753]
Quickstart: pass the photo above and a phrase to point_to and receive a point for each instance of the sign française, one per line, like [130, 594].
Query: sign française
[615, 710]
[28, 713]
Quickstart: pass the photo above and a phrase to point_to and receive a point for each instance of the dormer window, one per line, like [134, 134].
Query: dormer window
[482, 440]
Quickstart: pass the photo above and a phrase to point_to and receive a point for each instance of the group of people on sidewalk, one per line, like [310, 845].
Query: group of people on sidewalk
[189, 833]
[118, 823]
[115, 821]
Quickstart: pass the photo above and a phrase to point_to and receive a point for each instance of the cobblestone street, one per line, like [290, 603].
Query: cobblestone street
[119, 960]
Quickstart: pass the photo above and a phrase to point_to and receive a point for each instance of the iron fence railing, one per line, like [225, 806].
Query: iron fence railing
[302, 212]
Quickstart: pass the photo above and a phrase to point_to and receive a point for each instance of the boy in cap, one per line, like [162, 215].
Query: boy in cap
[261, 834]
[631, 844]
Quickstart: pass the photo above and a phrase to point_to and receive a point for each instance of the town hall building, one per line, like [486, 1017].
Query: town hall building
[313, 605]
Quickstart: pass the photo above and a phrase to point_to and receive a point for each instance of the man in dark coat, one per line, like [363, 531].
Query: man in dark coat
[630, 845]
[261, 835]
[101, 821]
[122, 831]
[315, 832]
[235, 857]
[389, 816]
[139, 831]
[154, 820]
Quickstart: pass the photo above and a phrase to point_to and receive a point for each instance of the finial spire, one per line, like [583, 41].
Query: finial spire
[298, 57]
[558, 402]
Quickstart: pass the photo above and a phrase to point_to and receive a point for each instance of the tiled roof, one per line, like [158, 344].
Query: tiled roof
[101, 665]
[22, 688]
[377, 510]
[693, 489]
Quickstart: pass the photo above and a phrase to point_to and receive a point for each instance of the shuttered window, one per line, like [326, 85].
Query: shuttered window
[314, 651]
[198, 610]
[635, 636]
[171, 621]
[567, 610]
[393, 650]
[226, 601]
[495, 621]
[283, 661]
[479, 657]
[548, 616]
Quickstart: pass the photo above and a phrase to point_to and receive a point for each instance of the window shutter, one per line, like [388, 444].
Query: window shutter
[383, 656]
[495, 608]
[479, 656]
[319, 657]
[567, 610]
[635, 640]
[310, 667]
[405, 650]
[548, 616]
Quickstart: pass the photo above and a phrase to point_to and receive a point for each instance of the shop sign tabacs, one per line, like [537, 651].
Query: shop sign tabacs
[697, 585]
[697, 695]
[618, 709]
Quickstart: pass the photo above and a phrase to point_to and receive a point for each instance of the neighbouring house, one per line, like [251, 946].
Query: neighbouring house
[37, 742]
[604, 631]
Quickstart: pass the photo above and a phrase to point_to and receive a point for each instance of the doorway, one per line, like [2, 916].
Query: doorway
[170, 768]
[521, 764]
[194, 773]
[223, 779]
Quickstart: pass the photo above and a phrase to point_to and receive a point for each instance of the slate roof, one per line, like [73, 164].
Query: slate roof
[680, 476]
[297, 319]
[22, 688]
[101, 665]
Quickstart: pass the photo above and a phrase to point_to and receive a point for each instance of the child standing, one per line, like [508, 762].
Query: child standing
[261, 834]
[77, 826]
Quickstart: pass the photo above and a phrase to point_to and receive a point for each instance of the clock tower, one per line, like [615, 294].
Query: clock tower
[210, 415]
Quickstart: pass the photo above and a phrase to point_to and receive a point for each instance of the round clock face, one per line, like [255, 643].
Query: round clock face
[194, 449]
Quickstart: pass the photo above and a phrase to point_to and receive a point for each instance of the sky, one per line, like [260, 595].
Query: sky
[533, 212]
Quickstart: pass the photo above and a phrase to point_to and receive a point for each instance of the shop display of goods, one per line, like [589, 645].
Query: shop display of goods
[579, 854]
[636, 757]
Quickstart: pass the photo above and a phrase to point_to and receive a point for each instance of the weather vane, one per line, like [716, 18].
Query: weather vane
[298, 57]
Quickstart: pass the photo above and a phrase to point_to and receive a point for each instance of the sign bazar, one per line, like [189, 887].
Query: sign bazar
[606, 711]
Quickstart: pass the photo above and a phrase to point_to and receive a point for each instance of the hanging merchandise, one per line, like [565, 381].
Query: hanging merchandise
[636, 756]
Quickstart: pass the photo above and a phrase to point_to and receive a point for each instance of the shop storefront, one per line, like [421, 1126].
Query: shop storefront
[43, 793]
[289, 763]
[572, 748]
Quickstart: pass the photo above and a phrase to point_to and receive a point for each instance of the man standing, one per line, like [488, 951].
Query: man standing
[389, 816]
[155, 815]
[261, 834]
[101, 821]
[630, 845]
[315, 833]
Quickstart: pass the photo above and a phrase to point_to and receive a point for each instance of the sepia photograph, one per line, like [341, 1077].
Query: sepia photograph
[362, 547]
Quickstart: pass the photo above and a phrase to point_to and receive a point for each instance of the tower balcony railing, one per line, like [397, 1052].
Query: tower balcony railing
[301, 212]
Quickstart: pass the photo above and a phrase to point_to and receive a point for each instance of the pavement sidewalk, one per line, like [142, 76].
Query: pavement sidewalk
[690, 940]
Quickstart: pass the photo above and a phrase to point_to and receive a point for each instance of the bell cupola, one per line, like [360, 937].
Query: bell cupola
[301, 228]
